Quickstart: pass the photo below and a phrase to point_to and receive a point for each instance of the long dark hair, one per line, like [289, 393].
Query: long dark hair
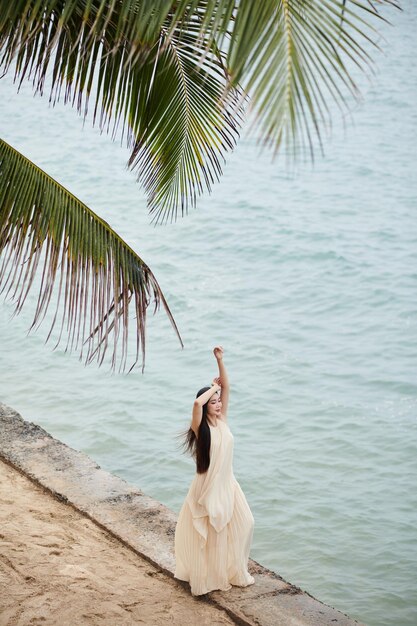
[199, 447]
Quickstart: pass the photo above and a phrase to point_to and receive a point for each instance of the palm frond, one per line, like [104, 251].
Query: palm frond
[47, 232]
[187, 124]
[294, 57]
[160, 82]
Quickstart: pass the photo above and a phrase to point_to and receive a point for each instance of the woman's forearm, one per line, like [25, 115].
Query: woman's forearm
[224, 379]
[205, 397]
[223, 374]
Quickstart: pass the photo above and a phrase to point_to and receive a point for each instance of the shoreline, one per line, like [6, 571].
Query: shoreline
[144, 527]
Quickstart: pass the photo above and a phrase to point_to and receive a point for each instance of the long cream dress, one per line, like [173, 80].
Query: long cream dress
[215, 525]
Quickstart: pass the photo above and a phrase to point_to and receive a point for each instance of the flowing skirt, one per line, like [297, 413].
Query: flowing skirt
[220, 559]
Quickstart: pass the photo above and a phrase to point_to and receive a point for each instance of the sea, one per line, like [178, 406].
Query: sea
[306, 274]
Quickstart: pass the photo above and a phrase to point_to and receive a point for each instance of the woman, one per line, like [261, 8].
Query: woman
[215, 525]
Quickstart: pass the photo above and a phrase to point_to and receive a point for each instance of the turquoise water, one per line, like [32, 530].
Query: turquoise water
[309, 280]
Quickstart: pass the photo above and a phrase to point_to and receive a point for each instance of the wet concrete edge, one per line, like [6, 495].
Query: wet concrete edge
[147, 526]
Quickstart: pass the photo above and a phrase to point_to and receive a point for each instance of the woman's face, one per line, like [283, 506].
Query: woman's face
[214, 406]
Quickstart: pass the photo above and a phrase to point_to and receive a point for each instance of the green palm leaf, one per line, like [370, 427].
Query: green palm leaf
[43, 224]
[159, 81]
[186, 126]
[294, 57]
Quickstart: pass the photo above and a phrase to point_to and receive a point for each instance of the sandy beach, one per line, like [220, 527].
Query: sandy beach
[59, 568]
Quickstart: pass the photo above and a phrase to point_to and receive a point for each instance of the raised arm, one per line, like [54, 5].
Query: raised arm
[224, 380]
[198, 406]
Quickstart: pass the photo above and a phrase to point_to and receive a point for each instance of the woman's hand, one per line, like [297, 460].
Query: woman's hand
[217, 381]
[218, 353]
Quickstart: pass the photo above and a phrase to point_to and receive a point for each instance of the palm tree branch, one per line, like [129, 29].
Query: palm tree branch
[188, 125]
[292, 55]
[110, 51]
[44, 224]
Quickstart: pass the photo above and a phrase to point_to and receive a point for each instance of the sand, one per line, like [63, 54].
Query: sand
[59, 568]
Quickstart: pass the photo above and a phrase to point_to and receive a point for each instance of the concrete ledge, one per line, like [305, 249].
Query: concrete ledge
[146, 526]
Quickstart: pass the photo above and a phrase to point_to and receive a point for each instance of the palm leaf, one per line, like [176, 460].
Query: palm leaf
[179, 138]
[294, 57]
[100, 277]
[161, 85]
